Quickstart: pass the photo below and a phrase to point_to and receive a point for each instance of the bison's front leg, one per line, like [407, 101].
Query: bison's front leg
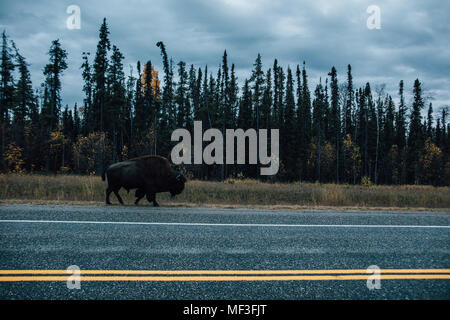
[116, 192]
[151, 197]
[136, 202]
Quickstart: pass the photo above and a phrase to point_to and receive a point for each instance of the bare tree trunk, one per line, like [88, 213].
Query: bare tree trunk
[337, 157]
[156, 135]
[63, 149]
[318, 156]
[114, 146]
[366, 144]
[3, 146]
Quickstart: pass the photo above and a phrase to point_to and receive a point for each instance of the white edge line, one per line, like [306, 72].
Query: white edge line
[229, 224]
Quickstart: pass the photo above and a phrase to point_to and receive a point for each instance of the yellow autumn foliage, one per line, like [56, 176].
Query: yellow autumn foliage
[13, 157]
[431, 161]
[155, 81]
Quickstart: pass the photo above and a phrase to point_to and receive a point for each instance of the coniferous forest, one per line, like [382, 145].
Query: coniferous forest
[333, 132]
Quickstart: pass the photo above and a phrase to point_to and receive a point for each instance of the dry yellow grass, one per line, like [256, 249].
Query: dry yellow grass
[75, 189]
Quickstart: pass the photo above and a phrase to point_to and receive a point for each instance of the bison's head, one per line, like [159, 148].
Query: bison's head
[177, 185]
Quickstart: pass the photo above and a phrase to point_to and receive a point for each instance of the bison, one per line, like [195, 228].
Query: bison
[148, 174]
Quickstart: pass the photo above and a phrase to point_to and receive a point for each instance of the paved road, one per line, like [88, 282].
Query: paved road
[305, 247]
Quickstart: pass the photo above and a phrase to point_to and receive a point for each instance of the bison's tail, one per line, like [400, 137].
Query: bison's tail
[103, 175]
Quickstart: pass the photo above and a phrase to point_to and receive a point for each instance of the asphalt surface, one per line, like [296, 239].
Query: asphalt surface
[146, 238]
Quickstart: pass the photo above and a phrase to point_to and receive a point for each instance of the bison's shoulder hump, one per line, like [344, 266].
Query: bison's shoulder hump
[153, 161]
[120, 165]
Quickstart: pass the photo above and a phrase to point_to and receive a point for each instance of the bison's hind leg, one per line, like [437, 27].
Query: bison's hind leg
[108, 192]
[139, 194]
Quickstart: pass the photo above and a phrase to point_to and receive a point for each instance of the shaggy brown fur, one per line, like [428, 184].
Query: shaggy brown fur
[148, 174]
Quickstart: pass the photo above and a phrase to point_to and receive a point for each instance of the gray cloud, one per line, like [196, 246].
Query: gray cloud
[412, 43]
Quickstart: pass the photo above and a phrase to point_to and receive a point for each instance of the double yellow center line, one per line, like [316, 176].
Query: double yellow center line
[218, 275]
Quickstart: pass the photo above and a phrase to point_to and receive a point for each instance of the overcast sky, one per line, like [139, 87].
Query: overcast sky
[413, 41]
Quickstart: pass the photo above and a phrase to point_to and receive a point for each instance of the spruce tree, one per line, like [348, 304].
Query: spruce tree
[362, 130]
[280, 103]
[401, 119]
[288, 150]
[401, 134]
[233, 99]
[149, 97]
[181, 97]
[415, 135]
[371, 134]
[67, 122]
[6, 94]
[129, 109]
[266, 104]
[23, 98]
[430, 122]
[305, 124]
[88, 112]
[115, 103]
[245, 122]
[195, 81]
[379, 121]
[348, 125]
[100, 82]
[300, 131]
[53, 72]
[257, 79]
[212, 101]
[389, 140]
[445, 142]
[139, 122]
[33, 138]
[203, 113]
[335, 118]
[245, 108]
[167, 100]
[276, 92]
[318, 105]
[76, 123]
[168, 120]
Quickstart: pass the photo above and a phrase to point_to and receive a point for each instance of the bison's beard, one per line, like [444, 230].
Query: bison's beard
[178, 188]
[174, 193]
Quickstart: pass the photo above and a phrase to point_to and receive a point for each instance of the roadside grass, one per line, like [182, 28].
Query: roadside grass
[232, 193]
